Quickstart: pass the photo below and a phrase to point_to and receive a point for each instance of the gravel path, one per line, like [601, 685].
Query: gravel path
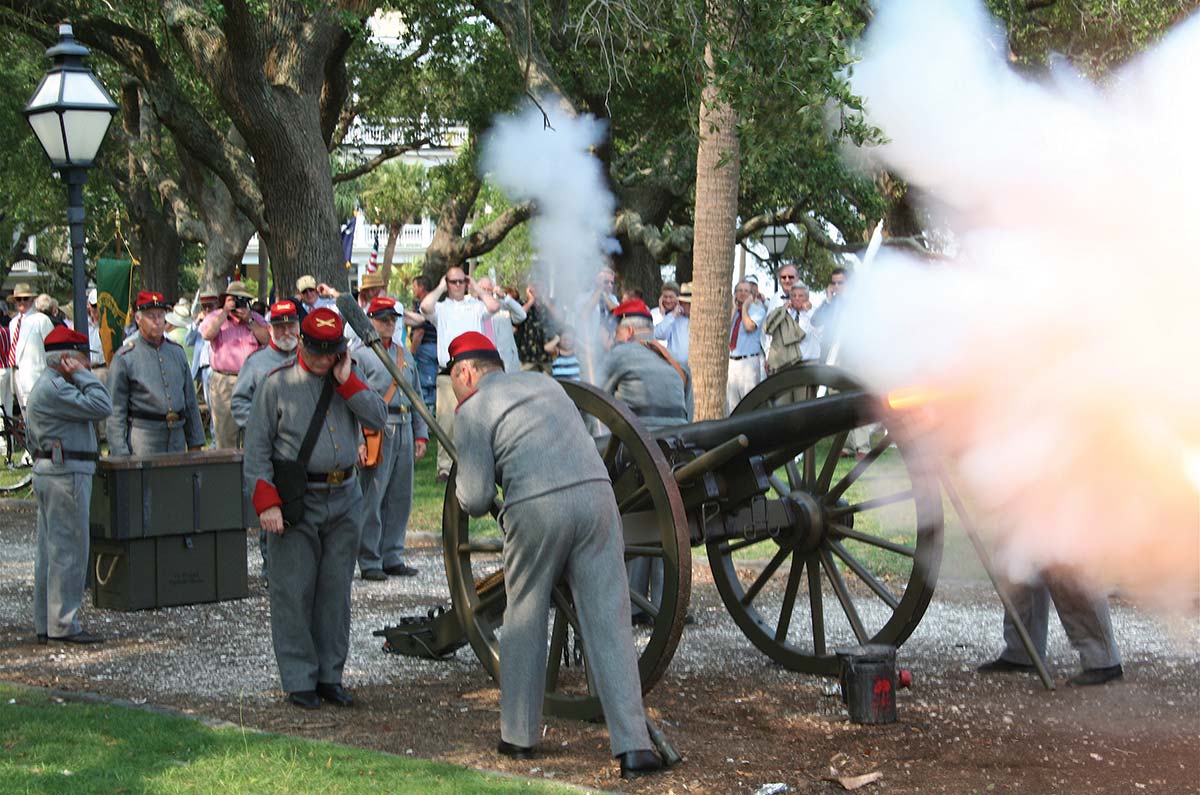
[220, 655]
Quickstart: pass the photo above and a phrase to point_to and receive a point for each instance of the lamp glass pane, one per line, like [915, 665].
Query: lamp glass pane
[49, 134]
[85, 131]
[83, 89]
[47, 93]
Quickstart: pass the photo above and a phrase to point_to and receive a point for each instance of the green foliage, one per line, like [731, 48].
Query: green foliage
[395, 193]
[513, 258]
[1095, 36]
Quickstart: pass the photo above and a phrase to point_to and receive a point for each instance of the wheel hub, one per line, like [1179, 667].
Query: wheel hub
[809, 524]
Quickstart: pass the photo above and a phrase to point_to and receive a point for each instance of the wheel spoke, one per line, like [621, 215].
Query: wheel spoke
[729, 548]
[642, 603]
[610, 451]
[789, 600]
[481, 545]
[489, 602]
[866, 576]
[872, 504]
[794, 477]
[558, 639]
[564, 606]
[640, 551]
[810, 468]
[816, 603]
[633, 498]
[831, 461]
[875, 541]
[854, 474]
[780, 487]
[843, 596]
[767, 572]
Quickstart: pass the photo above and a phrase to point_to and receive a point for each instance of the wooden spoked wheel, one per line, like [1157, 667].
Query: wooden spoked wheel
[655, 527]
[864, 551]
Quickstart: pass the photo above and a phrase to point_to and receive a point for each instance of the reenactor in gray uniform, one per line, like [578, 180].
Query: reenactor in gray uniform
[312, 557]
[387, 484]
[1084, 616]
[285, 336]
[153, 395]
[65, 403]
[644, 376]
[281, 350]
[559, 518]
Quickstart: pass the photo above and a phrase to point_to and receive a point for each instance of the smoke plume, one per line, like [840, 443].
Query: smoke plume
[1061, 339]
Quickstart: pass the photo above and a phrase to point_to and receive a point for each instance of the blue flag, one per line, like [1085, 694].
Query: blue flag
[348, 239]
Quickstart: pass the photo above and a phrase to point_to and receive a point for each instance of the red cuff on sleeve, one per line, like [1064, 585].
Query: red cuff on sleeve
[351, 388]
[421, 439]
[265, 496]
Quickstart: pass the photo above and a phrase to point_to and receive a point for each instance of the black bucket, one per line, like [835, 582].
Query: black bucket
[869, 683]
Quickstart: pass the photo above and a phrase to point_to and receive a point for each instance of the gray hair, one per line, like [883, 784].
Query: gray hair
[637, 323]
[54, 358]
[44, 303]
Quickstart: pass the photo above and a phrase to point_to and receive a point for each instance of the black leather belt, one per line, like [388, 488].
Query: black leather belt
[397, 409]
[170, 416]
[747, 356]
[335, 478]
[68, 455]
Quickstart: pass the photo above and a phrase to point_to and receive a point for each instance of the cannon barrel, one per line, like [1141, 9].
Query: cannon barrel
[794, 426]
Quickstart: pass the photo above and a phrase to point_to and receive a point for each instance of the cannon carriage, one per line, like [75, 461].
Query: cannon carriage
[809, 550]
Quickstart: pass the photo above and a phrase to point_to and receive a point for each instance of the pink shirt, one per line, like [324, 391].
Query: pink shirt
[233, 343]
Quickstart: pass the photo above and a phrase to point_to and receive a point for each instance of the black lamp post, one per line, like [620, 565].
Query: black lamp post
[776, 238]
[69, 113]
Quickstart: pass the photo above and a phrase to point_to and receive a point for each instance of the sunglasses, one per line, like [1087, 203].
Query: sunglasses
[787, 278]
[456, 281]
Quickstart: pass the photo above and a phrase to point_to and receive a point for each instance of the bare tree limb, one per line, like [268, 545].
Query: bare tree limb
[385, 154]
[481, 241]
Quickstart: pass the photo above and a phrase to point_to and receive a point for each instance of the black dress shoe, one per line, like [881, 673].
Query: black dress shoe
[80, 637]
[1096, 676]
[335, 694]
[374, 575]
[1003, 666]
[639, 763]
[400, 570]
[514, 751]
[43, 639]
[305, 699]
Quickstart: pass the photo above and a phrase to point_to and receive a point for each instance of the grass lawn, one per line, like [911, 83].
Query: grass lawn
[56, 746]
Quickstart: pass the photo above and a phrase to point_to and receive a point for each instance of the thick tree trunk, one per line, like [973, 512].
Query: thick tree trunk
[718, 168]
[156, 244]
[226, 230]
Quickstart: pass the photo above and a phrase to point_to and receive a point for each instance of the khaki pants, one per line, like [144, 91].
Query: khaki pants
[220, 392]
[446, 403]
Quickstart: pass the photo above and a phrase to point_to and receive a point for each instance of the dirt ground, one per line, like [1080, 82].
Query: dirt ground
[741, 722]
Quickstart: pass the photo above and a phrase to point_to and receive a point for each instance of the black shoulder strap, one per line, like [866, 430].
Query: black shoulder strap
[314, 427]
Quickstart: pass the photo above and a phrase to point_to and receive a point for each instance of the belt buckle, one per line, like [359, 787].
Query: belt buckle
[172, 419]
[335, 478]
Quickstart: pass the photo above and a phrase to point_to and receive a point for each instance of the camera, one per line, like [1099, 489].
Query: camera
[241, 303]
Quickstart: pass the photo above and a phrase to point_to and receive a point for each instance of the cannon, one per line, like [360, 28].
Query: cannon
[809, 551]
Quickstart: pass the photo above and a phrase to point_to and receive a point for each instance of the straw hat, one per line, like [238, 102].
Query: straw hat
[23, 290]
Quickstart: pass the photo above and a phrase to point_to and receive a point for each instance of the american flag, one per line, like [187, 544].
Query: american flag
[373, 262]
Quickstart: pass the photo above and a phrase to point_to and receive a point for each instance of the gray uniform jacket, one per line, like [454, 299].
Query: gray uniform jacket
[65, 411]
[376, 376]
[143, 378]
[522, 429]
[650, 386]
[253, 371]
[284, 405]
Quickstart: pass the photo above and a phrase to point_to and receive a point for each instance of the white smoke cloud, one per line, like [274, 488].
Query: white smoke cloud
[1063, 334]
[553, 166]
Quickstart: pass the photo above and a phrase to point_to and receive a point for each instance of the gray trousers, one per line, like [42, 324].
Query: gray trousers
[156, 438]
[60, 565]
[312, 567]
[575, 532]
[446, 403]
[1084, 617]
[646, 578]
[387, 499]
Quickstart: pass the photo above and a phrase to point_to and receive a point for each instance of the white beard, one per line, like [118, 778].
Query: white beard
[286, 344]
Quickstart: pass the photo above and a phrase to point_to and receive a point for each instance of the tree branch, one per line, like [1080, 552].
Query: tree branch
[385, 154]
[663, 245]
[481, 241]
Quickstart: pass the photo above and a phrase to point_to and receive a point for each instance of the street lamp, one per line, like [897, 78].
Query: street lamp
[69, 113]
[776, 239]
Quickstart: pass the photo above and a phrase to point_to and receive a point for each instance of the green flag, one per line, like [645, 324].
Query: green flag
[114, 280]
